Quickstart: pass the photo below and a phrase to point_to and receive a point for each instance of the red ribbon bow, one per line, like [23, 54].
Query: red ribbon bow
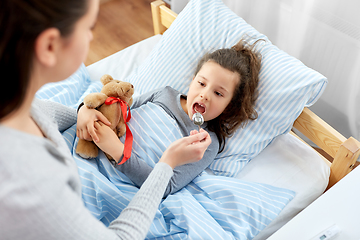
[129, 137]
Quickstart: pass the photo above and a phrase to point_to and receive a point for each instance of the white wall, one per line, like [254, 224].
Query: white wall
[323, 34]
[177, 5]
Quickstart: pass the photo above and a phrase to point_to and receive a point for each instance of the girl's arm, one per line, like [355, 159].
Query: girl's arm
[85, 128]
[108, 141]
[138, 170]
[144, 98]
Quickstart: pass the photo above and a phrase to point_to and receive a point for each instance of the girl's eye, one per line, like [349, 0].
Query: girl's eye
[219, 94]
[201, 84]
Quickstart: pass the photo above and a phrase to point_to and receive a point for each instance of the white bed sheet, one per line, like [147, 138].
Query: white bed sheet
[286, 162]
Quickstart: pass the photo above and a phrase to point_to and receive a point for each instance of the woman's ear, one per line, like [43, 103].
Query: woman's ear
[47, 45]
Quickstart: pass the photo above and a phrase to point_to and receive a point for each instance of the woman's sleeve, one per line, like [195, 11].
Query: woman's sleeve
[48, 216]
[62, 115]
[141, 211]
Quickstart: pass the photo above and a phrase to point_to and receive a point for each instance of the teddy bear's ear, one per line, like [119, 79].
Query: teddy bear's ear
[105, 79]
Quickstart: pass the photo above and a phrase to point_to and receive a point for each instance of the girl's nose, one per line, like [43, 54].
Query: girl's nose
[204, 95]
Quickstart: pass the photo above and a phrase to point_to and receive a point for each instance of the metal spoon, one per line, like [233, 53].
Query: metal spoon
[198, 119]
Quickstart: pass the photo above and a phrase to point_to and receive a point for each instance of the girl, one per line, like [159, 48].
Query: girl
[223, 90]
[40, 189]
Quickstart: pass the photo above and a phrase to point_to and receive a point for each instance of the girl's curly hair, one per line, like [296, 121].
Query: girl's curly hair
[242, 59]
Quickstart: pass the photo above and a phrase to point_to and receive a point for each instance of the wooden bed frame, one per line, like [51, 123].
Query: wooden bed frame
[343, 152]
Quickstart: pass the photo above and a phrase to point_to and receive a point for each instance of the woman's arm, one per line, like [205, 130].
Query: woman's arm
[53, 210]
[62, 115]
[140, 212]
[146, 201]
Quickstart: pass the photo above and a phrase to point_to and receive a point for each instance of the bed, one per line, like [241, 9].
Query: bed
[265, 176]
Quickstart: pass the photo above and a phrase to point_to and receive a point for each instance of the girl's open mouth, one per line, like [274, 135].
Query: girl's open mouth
[200, 108]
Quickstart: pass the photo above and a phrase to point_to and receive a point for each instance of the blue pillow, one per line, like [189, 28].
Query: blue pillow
[286, 84]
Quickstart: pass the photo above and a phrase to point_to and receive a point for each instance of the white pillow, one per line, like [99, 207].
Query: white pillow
[286, 85]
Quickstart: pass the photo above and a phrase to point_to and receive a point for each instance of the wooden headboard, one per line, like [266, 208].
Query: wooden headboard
[343, 152]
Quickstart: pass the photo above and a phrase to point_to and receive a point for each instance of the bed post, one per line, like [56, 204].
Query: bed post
[343, 151]
[155, 11]
[344, 160]
[319, 132]
[162, 16]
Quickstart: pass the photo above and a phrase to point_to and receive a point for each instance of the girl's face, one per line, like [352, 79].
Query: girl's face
[75, 47]
[211, 91]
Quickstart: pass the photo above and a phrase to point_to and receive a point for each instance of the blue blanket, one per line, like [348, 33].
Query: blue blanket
[210, 207]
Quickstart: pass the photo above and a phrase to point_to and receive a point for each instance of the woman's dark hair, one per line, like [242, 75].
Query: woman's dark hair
[21, 22]
[243, 60]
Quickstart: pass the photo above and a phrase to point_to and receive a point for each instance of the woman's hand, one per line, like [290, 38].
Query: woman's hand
[187, 149]
[108, 142]
[85, 123]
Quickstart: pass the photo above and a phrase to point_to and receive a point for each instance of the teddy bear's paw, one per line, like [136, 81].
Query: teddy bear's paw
[121, 131]
[87, 155]
[109, 157]
[86, 149]
[93, 100]
[91, 105]
[84, 156]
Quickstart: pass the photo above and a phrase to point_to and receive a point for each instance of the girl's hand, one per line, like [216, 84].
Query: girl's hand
[193, 132]
[85, 123]
[108, 142]
[187, 149]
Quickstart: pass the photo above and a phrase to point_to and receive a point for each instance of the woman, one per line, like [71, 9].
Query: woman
[40, 198]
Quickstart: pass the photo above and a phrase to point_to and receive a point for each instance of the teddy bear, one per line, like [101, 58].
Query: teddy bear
[114, 98]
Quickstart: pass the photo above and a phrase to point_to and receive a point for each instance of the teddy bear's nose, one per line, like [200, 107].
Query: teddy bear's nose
[132, 86]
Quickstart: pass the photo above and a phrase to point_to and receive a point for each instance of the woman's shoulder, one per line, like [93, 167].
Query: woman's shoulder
[32, 159]
[23, 148]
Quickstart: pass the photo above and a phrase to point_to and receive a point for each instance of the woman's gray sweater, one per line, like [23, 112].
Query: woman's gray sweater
[40, 189]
